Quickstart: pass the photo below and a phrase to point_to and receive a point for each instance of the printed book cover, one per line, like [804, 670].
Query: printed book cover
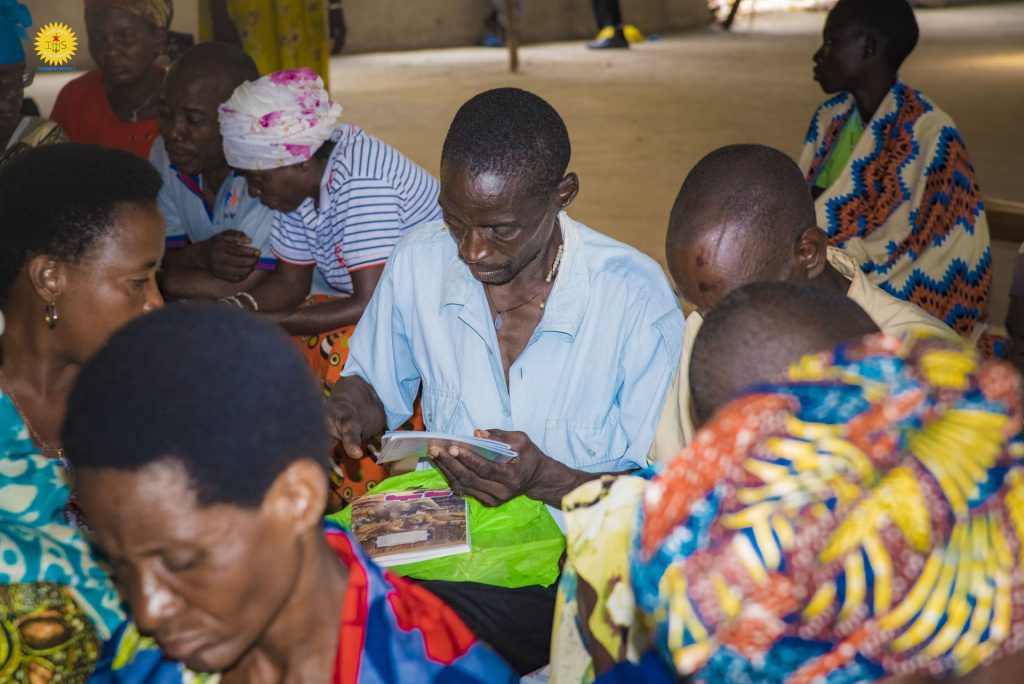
[405, 527]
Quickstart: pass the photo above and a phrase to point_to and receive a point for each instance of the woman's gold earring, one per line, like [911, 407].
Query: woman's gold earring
[51, 316]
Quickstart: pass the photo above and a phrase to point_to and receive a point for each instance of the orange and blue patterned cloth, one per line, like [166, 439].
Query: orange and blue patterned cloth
[907, 206]
[392, 631]
[861, 518]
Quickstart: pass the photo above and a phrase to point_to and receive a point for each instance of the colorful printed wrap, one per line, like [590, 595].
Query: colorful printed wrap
[392, 631]
[57, 603]
[156, 12]
[907, 206]
[862, 518]
[278, 120]
[36, 543]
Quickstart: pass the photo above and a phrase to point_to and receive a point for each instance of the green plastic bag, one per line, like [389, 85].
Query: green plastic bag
[517, 544]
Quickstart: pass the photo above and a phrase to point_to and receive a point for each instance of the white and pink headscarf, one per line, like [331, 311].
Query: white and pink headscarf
[278, 120]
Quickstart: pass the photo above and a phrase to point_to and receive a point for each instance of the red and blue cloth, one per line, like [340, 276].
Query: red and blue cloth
[392, 631]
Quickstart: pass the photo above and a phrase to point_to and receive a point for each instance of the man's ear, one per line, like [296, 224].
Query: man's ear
[810, 252]
[299, 495]
[568, 188]
[48, 277]
[872, 46]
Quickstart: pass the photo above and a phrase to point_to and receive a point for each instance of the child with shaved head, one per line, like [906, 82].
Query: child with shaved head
[744, 215]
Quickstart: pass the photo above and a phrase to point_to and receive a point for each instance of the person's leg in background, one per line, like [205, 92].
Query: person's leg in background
[608, 15]
[496, 24]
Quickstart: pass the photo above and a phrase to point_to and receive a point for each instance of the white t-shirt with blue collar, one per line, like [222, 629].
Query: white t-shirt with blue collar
[191, 220]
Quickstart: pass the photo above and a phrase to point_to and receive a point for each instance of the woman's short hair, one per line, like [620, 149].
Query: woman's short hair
[59, 200]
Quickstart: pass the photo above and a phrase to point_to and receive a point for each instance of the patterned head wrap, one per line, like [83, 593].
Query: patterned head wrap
[278, 120]
[862, 518]
[14, 19]
[156, 12]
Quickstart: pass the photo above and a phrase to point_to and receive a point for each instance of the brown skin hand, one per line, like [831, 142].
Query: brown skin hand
[125, 48]
[254, 593]
[114, 282]
[850, 61]
[508, 238]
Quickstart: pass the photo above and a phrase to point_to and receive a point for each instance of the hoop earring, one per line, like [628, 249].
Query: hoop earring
[50, 315]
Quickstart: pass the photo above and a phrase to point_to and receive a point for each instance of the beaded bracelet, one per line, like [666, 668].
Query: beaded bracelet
[252, 300]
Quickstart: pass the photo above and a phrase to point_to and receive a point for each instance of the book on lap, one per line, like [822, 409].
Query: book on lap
[396, 528]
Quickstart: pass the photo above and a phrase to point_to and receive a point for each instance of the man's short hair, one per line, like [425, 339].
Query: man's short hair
[891, 21]
[750, 188]
[60, 200]
[758, 330]
[225, 65]
[217, 390]
[510, 132]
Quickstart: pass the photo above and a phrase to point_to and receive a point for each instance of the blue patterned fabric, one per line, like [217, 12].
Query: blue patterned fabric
[36, 543]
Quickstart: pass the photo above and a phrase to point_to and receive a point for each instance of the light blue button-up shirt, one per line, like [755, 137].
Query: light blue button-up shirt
[587, 389]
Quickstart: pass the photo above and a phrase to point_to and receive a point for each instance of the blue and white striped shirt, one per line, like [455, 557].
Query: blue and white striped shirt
[369, 196]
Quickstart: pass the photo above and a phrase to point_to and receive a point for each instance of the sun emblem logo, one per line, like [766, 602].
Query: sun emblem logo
[56, 44]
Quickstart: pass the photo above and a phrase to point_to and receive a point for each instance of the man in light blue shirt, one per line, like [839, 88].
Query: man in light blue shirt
[516, 320]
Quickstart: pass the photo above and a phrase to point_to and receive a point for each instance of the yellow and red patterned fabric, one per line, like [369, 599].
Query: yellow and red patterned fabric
[861, 518]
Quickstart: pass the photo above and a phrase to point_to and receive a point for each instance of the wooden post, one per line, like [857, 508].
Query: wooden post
[511, 36]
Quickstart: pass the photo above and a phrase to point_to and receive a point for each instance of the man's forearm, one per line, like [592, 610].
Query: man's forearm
[321, 318]
[184, 282]
[190, 256]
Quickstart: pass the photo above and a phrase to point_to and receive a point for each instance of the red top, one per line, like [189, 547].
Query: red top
[83, 111]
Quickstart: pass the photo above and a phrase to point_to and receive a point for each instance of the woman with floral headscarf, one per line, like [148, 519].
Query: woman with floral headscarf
[115, 105]
[342, 200]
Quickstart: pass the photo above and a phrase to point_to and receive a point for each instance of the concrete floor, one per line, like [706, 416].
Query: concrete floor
[640, 119]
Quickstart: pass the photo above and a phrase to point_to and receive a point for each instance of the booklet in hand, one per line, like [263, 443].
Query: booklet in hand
[405, 527]
[408, 444]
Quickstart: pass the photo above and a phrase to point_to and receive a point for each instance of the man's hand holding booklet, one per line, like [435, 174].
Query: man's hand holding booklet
[400, 445]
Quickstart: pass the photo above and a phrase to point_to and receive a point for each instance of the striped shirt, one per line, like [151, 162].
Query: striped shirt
[369, 196]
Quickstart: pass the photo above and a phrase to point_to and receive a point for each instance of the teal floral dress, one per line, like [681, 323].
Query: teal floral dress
[57, 603]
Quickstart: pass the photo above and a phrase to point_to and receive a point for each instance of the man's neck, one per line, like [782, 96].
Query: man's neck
[871, 92]
[535, 274]
[301, 644]
[212, 180]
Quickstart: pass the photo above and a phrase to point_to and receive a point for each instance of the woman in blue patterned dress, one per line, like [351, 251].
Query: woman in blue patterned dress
[82, 238]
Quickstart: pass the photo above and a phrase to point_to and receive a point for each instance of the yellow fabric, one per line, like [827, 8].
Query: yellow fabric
[278, 34]
[600, 523]
[675, 427]
[892, 316]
